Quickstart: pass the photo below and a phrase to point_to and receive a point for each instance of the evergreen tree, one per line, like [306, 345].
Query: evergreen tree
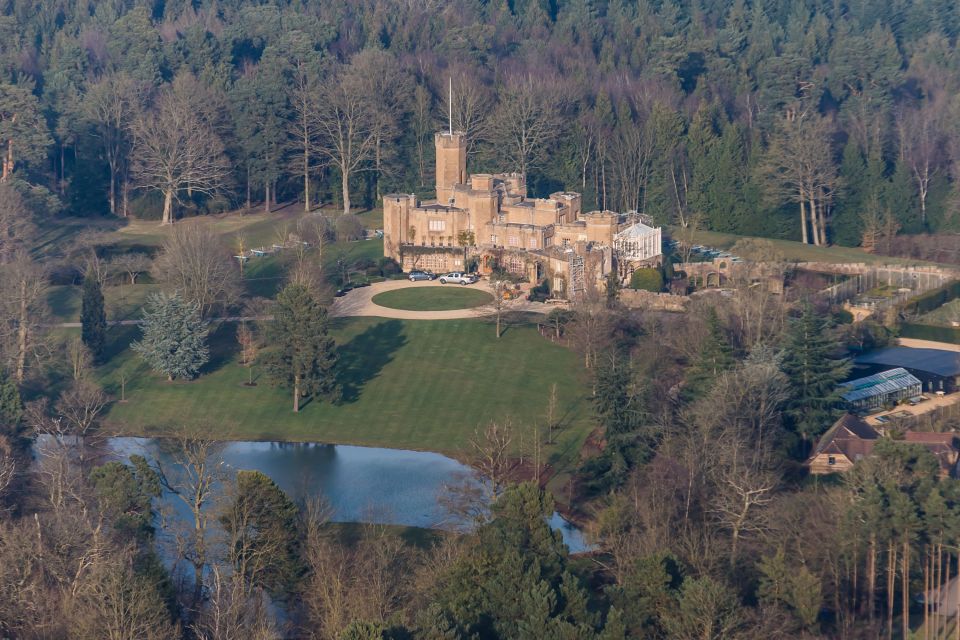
[302, 356]
[125, 494]
[262, 524]
[11, 408]
[93, 318]
[814, 373]
[716, 356]
[174, 339]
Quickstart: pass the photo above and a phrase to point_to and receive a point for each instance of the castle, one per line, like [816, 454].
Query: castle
[487, 220]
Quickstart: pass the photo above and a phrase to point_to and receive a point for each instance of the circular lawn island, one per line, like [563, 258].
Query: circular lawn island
[432, 298]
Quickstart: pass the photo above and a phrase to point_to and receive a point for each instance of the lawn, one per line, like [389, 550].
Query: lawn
[797, 251]
[122, 302]
[432, 298]
[417, 385]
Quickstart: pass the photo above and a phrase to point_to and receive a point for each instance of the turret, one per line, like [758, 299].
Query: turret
[451, 163]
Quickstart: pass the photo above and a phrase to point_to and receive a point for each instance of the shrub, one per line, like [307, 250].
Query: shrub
[349, 227]
[647, 279]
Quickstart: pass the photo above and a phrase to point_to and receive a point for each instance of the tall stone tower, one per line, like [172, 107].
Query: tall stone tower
[451, 163]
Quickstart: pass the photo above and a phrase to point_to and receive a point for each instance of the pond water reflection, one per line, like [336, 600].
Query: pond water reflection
[361, 484]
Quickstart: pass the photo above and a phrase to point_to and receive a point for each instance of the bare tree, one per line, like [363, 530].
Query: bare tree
[527, 120]
[191, 475]
[234, 610]
[800, 167]
[131, 265]
[111, 601]
[920, 134]
[112, 104]
[383, 82]
[195, 263]
[347, 125]
[23, 290]
[491, 456]
[79, 409]
[470, 108]
[422, 128]
[16, 226]
[177, 150]
[303, 130]
[498, 305]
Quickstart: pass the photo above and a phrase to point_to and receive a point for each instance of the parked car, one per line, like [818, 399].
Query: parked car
[416, 274]
[456, 277]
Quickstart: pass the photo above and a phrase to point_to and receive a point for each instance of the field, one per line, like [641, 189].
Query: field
[433, 298]
[416, 385]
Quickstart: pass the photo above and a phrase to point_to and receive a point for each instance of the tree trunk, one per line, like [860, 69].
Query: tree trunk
[112, 196]
[803, 220]
[891, 584]
[815, 227]
[927, 589]
[306, 179]
[871, 575]
[296, 394]
[266, 199]
[905, 589]
[167, 206]
[22, 333]
[248, 188]
[345, 176]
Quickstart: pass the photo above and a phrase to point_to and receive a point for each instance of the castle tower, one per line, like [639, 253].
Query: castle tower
[451, 163]
[396, 223]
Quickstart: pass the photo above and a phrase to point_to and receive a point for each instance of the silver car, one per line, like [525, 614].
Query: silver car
[456, 277]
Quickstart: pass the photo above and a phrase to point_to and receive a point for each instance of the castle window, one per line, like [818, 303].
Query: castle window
[831, 460]
[437, 225]
[558, 284]
[514, 241]
[493, 238]
[533, 243]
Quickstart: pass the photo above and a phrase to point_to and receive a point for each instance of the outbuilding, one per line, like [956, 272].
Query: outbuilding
[937, 369]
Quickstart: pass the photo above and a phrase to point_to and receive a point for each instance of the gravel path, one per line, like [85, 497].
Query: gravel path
[359, 303]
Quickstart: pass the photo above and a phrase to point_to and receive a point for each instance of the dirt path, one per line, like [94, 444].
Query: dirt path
[359, 302]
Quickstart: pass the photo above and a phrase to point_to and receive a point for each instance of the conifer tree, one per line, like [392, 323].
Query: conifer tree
[174, 337]
[11, 408]
[814, 374]
[93, 318]
[302, 356]
[716, 356]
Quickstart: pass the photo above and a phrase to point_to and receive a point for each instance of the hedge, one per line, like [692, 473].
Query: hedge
[930, 332]
[648, 279]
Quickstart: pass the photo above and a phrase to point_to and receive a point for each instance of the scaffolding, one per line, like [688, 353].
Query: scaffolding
[577, 284]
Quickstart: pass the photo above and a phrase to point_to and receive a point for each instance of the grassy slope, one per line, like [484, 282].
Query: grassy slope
[797, 251]
[415, 385]
[432, 298]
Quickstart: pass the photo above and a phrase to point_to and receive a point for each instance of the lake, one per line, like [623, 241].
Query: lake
[361, 484]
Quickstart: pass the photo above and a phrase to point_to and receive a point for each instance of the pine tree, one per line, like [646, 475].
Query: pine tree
[716, 356]
[174, 337]
[814, 374]
[11, 408]
[93, 318]
[302, 356]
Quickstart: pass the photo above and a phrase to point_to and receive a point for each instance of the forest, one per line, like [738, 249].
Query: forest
[730, 116]
[127, 128]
